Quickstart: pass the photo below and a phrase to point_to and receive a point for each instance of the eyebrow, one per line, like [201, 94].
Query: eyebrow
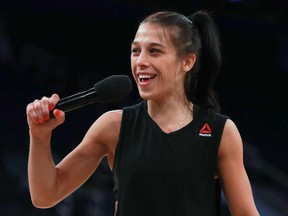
[150, 44]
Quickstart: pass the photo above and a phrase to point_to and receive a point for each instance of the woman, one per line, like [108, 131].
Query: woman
[167, 151]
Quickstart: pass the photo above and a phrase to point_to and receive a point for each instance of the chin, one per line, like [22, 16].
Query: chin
[145, 96]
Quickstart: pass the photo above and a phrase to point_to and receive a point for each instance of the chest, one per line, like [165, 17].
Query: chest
[155, 155]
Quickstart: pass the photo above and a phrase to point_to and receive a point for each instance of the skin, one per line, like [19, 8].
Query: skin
[151, 54]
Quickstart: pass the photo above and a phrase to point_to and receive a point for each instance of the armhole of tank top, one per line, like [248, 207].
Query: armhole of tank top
[117, 155]
[122, 129]
[220, 124]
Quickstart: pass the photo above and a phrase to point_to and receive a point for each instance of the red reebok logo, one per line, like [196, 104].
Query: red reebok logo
[205, 131]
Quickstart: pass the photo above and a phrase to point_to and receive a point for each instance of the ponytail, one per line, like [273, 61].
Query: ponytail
[209, 62]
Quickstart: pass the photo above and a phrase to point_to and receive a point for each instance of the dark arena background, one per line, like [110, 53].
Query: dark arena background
[67, 46]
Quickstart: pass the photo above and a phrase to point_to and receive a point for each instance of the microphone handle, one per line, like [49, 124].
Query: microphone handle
[75, 96]
[76, 101]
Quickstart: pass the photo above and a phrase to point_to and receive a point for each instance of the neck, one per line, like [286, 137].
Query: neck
[170, 117]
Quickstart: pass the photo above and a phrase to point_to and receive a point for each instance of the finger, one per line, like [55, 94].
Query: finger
[45, 108]
[53, 101]
[37, 106]
[31, 114]
[59, 116]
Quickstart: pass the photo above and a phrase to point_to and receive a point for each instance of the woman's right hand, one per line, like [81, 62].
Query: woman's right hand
[38, 115]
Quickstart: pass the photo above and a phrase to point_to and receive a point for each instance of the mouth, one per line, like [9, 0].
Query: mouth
[143, 78]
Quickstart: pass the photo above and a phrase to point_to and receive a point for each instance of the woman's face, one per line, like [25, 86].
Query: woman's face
[157, 70]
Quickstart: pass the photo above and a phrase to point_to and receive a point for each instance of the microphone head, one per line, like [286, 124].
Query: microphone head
[113, 88]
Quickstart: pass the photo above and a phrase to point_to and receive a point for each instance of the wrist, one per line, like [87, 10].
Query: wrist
[40, 136]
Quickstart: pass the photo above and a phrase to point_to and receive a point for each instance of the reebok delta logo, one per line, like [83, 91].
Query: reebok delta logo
[205, 131]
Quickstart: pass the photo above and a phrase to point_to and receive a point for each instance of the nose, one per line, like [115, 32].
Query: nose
[142, 59]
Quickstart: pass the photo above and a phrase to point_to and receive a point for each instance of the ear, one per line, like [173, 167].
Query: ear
[189, 62]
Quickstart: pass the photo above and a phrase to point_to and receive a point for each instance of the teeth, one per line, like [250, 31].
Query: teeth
[145, 76]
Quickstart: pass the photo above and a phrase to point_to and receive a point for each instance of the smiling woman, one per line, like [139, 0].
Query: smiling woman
[153, 56]
[166, 150]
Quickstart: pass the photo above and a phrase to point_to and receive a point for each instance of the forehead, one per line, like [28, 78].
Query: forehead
[152, 33]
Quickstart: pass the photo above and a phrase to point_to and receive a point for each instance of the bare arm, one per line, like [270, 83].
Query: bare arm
[50, 183]
[234, 180]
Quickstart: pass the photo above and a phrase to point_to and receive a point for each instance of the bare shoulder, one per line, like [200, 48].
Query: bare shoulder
[230, 131]
[231, 141]
[105, 130]
[111, 117]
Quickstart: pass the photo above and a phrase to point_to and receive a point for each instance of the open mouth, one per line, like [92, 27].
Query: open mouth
[146, 77]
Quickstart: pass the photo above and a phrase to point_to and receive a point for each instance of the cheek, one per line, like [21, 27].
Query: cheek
[133, 63]
[170, 71]
[133, 69]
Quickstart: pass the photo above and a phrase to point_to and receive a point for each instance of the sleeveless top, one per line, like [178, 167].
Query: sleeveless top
[160, 174]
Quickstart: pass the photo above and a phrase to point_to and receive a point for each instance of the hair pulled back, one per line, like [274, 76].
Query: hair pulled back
[196, 34]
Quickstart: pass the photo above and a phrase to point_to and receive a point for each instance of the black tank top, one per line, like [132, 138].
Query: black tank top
[160, 174]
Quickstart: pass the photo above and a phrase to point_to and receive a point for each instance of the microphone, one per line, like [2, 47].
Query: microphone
[110, 89]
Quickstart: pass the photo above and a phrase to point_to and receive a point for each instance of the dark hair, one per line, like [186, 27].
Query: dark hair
[196, 34]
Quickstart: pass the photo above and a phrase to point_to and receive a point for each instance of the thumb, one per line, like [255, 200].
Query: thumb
[59, 116]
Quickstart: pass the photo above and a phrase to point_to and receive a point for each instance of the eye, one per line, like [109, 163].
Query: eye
[154, 51]
[135, 51]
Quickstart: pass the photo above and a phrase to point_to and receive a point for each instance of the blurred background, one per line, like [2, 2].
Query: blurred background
[68, 46]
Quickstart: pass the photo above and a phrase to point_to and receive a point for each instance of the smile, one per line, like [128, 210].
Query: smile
[145, 77]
